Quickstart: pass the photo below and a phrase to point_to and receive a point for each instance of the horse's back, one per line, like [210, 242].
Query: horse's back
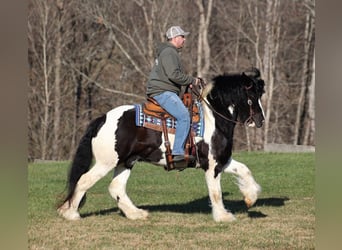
[116, 113]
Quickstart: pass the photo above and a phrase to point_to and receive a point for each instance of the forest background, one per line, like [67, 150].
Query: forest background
[86, 57]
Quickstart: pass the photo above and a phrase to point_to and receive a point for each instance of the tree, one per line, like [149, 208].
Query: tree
[309, 132]
[41, 21]
[86, 57]
[305, 114]
[203, 51]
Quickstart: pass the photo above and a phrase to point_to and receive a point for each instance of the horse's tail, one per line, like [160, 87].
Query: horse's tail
[83, 158]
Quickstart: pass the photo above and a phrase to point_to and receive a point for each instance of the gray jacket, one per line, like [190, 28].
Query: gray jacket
[167, 73]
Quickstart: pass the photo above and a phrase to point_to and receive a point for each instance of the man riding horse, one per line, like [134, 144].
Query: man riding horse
[164, 85]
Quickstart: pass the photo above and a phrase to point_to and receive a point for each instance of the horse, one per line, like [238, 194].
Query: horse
[115, 142]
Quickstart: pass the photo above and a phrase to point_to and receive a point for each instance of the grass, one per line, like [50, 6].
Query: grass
[180, 218]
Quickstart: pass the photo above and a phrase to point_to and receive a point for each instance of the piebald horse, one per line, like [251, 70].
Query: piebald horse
[115, 142]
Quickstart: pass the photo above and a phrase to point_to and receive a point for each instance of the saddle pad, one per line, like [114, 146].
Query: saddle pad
[148, 121]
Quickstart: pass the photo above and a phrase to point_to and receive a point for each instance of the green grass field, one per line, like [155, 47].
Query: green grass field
[180, 218]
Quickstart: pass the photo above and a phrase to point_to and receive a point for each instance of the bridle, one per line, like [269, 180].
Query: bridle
[250, 103]
[200, 97]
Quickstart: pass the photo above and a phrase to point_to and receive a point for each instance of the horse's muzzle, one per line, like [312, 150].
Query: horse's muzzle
[258, 120]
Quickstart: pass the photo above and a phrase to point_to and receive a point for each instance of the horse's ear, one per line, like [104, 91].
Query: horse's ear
[251, 73]
[248, 78]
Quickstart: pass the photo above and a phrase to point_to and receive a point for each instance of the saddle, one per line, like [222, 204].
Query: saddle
[152, 108]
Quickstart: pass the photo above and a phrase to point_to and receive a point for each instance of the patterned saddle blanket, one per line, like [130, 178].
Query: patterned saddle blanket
[153, 122]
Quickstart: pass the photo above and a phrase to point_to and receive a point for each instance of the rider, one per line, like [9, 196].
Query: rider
[164, 85]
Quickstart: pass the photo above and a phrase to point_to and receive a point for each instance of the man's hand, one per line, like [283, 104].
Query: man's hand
[197, 81]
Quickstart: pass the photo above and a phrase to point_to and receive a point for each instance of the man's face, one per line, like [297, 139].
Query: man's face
[179, 41]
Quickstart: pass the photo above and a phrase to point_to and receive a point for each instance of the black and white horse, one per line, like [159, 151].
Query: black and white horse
[117, 143]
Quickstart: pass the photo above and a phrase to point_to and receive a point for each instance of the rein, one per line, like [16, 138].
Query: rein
[201, 98]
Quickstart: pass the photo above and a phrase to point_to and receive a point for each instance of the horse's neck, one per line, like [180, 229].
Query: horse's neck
[209, 120]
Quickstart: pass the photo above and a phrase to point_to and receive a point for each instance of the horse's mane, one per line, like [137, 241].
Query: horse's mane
[225, 81]
[231, 82]
[207, 89]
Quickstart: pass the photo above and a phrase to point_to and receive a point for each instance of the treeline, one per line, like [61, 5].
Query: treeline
[86, 57]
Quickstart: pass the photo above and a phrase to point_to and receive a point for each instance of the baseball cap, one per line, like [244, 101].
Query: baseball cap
[175, 31]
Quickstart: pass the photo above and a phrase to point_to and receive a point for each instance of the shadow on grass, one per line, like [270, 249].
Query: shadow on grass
[100, 212]
[240, 206]
[202, 205]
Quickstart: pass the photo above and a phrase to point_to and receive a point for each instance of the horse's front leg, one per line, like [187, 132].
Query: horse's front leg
[215, 194]
[117, 189]
[249, 188]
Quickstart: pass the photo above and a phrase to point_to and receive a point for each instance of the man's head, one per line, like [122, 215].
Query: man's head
[176, 36]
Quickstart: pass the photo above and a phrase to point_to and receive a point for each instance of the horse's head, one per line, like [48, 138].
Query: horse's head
[237, 97]
[251, 111]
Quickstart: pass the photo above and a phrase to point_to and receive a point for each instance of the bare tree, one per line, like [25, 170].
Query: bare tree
[86, 57]
[203, 48]
[306, 97]
[39, 37]
[309, 135]
[271, 48]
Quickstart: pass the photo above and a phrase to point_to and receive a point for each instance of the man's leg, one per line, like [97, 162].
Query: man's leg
[174, 106]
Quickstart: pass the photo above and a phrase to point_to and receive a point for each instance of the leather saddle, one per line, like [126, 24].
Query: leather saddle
[152, 108]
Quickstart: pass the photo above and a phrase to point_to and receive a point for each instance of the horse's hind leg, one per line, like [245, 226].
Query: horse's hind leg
[117, 189]
[69, 209]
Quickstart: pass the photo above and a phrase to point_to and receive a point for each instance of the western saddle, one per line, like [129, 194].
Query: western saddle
[151, 107]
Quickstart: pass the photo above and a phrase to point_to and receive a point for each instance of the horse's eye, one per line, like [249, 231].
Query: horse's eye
[249, 102]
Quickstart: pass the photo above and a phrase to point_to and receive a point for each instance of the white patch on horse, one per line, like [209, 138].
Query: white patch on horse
[251, 125]
[103, 145]
[249, 188]
[262, 110]
[163, 148]
[215, 194]
[117, 190]
[209, 124]
[231, 109]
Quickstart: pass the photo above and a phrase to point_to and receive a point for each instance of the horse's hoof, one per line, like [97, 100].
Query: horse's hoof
[138, 215]
[228, 217]
[249, 203]
[69, 215]
[144, 214]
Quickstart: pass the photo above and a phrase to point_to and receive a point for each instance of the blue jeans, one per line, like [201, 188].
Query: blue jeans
[174, 106]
